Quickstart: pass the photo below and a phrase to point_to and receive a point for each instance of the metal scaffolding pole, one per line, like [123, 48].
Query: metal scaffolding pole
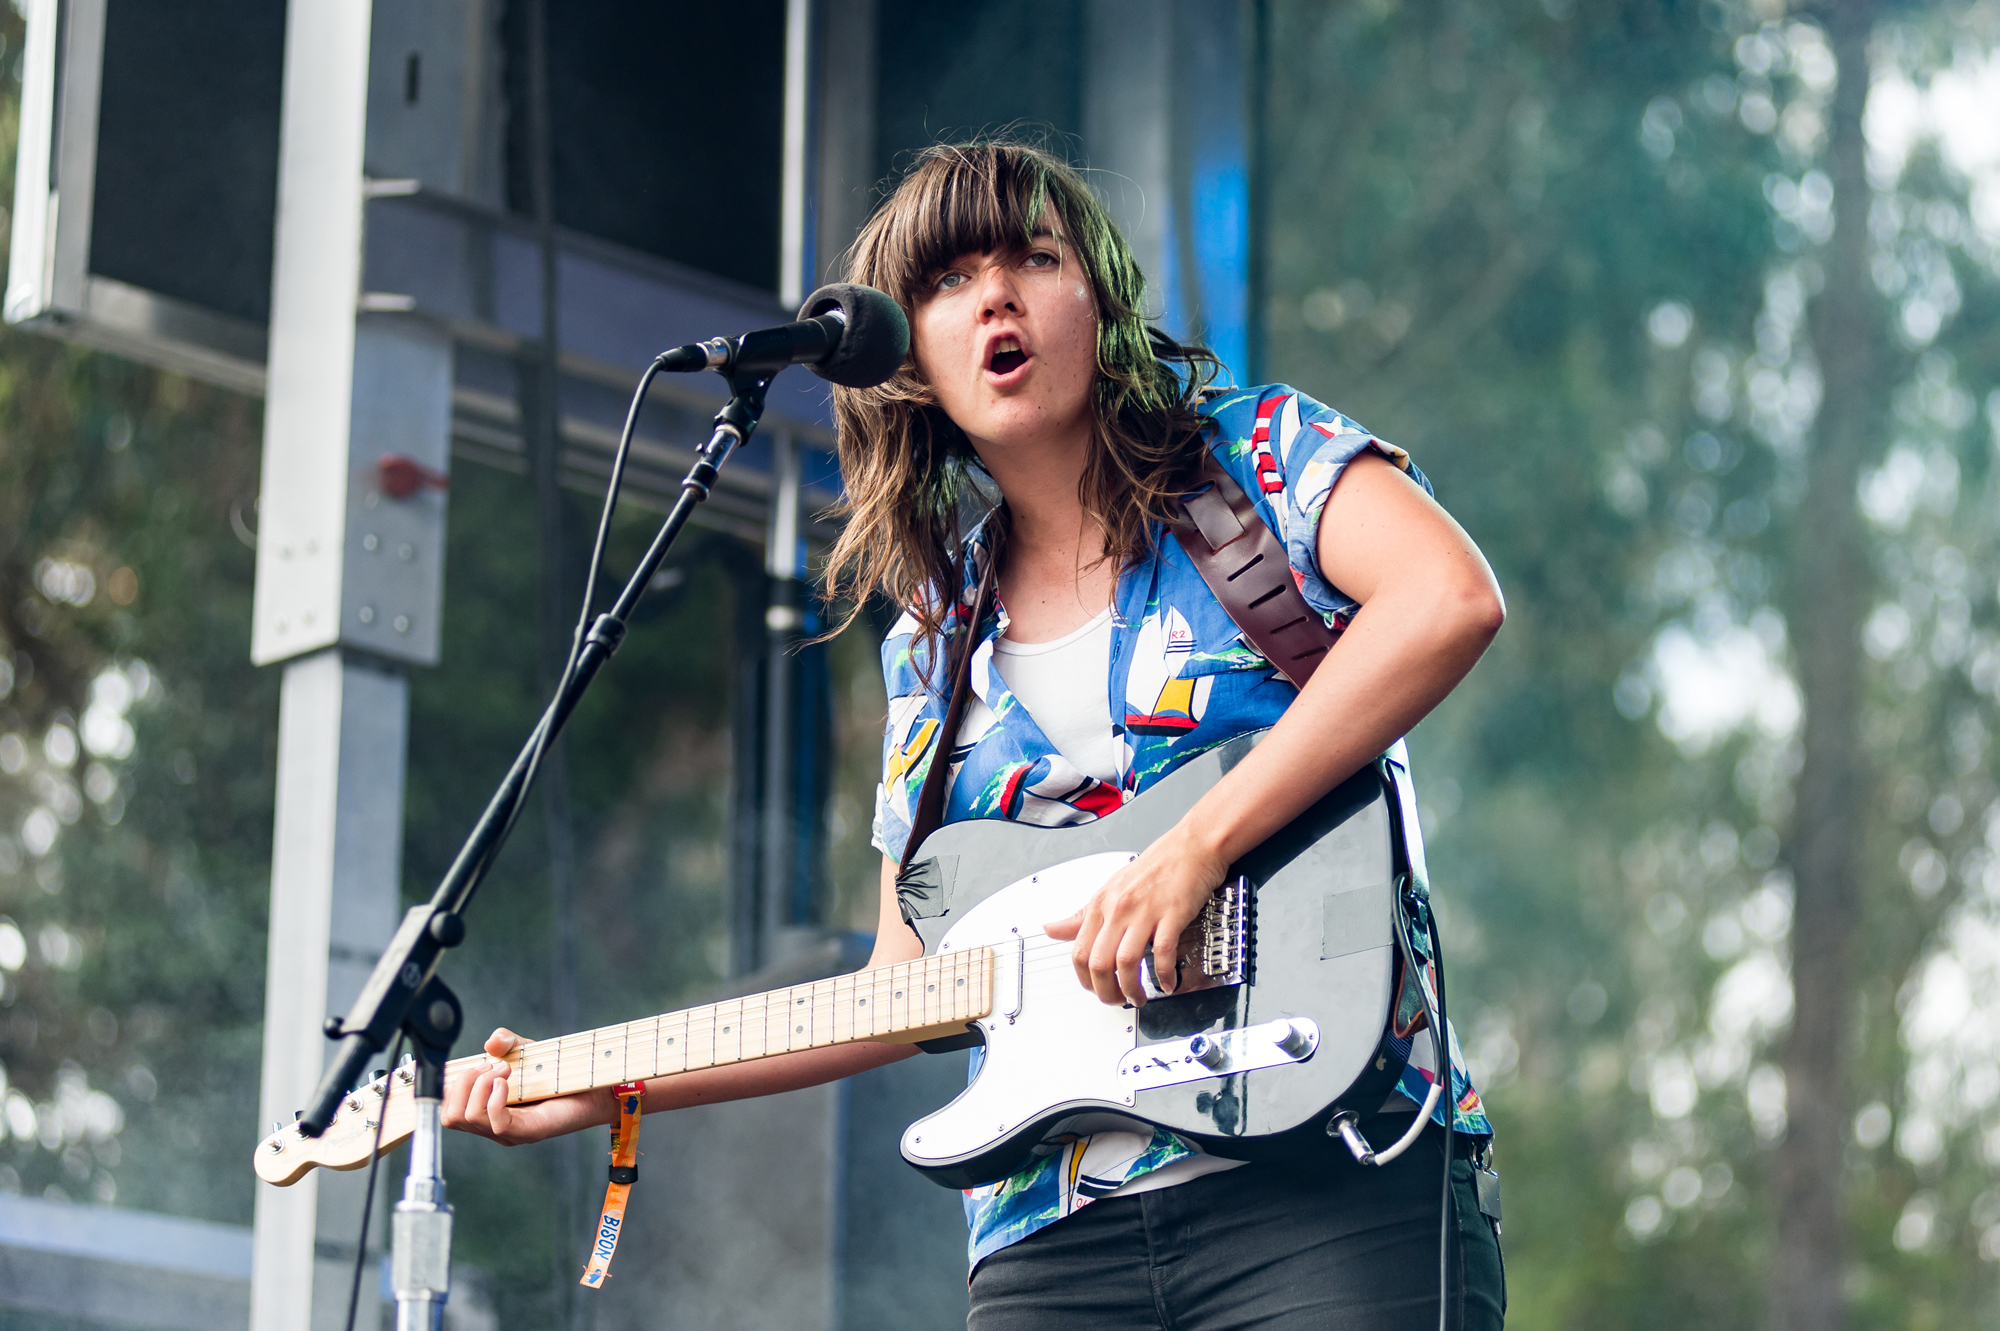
[350, 573]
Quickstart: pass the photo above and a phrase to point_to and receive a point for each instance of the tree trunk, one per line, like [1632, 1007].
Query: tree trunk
[1829, 581]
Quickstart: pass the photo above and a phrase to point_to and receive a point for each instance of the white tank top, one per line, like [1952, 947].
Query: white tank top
[1065, 686]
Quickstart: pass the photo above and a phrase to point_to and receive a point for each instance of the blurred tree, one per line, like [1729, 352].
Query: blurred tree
[1829, 581]
[1585, 262]
[134, 760]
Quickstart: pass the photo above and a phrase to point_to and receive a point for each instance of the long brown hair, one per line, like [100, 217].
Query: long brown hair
[909, 472]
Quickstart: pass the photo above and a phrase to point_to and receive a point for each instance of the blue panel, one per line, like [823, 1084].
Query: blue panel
[1216, 158]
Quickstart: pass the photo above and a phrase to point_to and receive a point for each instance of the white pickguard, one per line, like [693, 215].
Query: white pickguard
[1063, 1048]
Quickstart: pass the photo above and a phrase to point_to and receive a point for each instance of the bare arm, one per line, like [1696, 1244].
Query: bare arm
[1429, 608]
[478, 1104]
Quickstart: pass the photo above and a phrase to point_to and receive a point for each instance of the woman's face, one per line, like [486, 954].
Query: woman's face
[1008, 342]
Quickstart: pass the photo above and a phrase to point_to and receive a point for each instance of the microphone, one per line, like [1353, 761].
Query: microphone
[849, 334]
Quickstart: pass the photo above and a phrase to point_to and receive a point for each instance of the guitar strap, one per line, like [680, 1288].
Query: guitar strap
[1245, 565]
[930, 799]
[624, 1173]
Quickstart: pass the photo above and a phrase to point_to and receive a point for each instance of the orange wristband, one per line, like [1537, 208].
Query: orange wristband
[624, 1173]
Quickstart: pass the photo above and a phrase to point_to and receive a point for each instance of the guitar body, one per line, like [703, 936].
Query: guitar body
[1249, 1066]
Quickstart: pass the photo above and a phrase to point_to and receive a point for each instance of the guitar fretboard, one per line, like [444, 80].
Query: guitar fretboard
[911, 1000]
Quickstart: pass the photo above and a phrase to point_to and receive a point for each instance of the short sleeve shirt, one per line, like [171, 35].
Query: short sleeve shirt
[1183, 680]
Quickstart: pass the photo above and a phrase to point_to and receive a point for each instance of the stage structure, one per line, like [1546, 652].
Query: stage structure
[328, 203]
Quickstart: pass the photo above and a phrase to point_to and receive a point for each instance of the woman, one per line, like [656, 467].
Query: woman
[1033, 373]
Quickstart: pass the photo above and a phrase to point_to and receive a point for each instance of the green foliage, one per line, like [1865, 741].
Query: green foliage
[1566, 255]
[142, 752]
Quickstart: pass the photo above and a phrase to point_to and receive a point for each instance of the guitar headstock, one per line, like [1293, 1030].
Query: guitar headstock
[286, 1155]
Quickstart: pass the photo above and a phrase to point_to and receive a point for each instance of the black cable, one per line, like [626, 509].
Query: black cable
[374, 1159]
[597, 552]
[1441, 1036]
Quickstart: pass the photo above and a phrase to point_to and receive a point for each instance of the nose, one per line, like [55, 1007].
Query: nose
[999, 293]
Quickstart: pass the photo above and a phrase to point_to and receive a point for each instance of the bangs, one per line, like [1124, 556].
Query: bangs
[969, 199]
[905, 501]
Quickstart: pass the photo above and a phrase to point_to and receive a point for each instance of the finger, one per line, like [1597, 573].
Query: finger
[475, 1101]
[1166, 956]
[1064, 929]
[1104, 965]
[1131, 950]
[503, 1042]
[498, 1115]
[1088, 930]
[457, 1090]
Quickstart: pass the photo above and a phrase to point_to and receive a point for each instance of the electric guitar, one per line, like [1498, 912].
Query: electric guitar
[1282, 1014]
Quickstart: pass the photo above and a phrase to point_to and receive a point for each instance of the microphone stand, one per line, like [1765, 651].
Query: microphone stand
[404, 992]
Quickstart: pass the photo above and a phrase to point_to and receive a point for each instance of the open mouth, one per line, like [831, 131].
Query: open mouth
[1007, 357]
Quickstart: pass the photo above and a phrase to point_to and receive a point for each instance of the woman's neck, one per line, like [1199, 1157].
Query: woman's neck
[1042, 481]
[1055, 577]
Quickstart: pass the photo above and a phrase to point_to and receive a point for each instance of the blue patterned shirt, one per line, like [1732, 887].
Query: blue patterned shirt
[1183, 680]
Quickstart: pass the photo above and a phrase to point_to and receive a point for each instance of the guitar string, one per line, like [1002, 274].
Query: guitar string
[705, 1020]
[1038, 959]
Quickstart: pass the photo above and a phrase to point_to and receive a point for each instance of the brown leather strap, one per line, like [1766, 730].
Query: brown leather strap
[930, 800]
[1245, 565]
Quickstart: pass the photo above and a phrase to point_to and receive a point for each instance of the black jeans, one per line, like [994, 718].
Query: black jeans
[1314, 1243]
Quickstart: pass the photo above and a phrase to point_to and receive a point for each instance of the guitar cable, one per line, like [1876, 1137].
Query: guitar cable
[374, 1159]
[1344, 1124]
[1441, 1038]
[598, 549]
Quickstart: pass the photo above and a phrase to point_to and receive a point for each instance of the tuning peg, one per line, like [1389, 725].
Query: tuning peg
[276, 1128]
[332, 1028]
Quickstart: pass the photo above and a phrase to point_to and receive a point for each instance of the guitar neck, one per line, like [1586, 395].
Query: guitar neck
[909, 1001]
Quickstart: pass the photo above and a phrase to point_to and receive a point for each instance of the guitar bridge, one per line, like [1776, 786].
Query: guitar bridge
[1225, 933]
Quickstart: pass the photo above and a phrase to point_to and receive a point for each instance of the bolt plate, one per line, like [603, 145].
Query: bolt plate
[1171, 1062]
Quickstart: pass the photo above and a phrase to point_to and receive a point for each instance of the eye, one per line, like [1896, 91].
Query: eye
[948, 281]
[1042, 259]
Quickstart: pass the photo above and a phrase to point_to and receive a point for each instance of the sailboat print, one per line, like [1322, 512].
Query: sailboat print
[908, 743]
[1158, 701]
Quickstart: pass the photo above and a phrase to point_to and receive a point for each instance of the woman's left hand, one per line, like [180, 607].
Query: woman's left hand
[1149, 902]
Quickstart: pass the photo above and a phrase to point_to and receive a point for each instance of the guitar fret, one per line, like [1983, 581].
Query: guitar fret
[883, 1001]
[729, 1040]
[826, 1011]
[795, 1030]
[673, 1045]
[843, 1008]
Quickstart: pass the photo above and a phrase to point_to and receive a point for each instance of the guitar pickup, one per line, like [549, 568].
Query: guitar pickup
[1171, 1062]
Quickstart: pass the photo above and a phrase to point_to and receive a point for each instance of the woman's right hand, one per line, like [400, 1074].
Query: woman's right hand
[477, 1103]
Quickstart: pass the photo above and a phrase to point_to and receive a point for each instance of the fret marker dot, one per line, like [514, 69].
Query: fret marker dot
[799, 1029]
[725, 1030]
[899, 993]
[930, 988]
[670, 1039]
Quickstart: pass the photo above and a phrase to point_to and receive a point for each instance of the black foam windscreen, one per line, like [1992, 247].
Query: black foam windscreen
[877, 338]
